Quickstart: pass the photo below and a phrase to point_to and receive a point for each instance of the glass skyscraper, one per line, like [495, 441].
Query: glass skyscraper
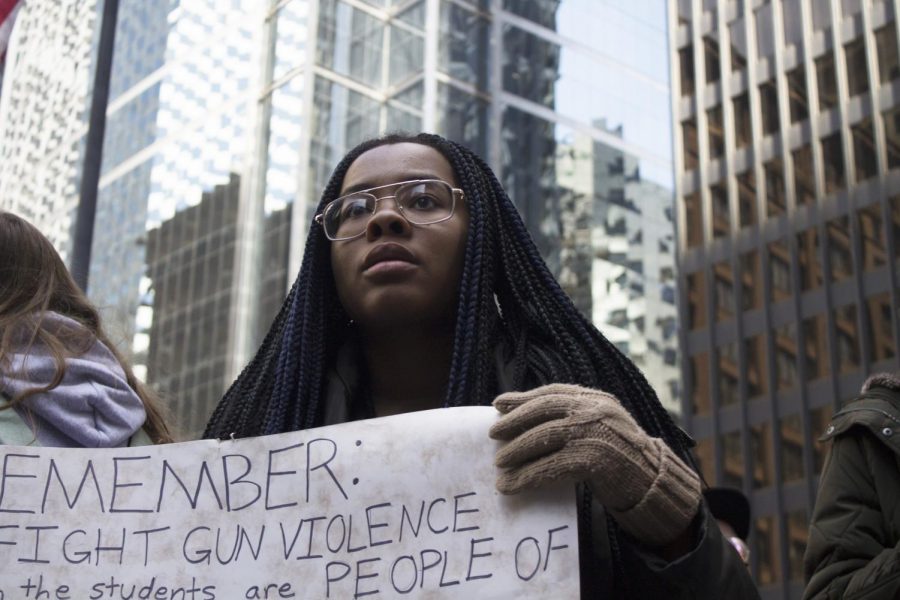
[226, 119]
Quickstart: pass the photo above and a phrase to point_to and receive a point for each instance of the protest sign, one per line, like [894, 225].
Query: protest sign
[384, 508]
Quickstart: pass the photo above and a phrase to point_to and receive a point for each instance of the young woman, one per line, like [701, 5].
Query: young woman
[421, 288]
[62, 383]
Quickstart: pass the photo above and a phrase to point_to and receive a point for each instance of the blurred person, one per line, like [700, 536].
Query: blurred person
[731, 509]
[854, 536]
[62, 383]
[421, 288]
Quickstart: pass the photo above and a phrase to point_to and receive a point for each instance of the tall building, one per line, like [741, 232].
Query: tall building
[788, 196]
[240, 111]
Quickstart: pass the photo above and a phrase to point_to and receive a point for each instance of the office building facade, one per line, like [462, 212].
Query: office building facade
[786, 128]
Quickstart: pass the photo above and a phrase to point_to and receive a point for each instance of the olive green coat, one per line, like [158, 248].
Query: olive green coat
[854, 538]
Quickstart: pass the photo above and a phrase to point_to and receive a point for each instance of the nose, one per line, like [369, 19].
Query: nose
[387, 220]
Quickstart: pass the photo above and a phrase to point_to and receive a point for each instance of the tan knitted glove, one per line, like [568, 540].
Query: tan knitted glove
[567, 432]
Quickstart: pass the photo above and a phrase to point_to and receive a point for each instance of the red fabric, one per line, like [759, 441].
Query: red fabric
[6, 13]
[6, 7]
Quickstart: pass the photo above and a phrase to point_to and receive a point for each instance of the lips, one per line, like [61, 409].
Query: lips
[388, 252]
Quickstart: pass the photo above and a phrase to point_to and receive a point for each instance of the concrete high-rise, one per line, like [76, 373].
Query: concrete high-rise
[786, 125]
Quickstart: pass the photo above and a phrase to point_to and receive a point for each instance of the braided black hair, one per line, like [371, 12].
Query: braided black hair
[507, 296]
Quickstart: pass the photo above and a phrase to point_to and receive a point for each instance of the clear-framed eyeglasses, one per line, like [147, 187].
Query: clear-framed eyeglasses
[420, 201]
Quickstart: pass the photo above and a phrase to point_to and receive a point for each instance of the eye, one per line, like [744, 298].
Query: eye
[353, 208]
[423, 202]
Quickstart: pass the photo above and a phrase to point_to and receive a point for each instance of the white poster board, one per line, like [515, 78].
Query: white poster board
[402, 506]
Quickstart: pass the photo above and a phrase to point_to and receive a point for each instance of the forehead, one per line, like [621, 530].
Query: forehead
[391, 163]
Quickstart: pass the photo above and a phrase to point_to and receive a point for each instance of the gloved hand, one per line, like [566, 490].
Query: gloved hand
[567, 432]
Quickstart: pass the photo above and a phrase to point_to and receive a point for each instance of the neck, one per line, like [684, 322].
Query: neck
[408, 370]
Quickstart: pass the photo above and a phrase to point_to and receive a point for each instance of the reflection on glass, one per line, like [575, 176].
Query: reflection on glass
[738, 43]
[700, 383]
[847, 338]
[880, 323]
[765, 38]
[766, 550]
[757, 371]
[809, 260]
[825, 79]
[780, 270]
[693, 220]
[797, 533]
[768, 98]
[747, 198]
[732, 460]
[520, 76]
[804, 175]
[716, 133]
[872, 237]
[839, 255]
[791, 20]
[742, 128]
[864, 150]
[462, 117]
[762, 457]
[816, 347]
[407, 47]
[686, 63]
[711, 58]
[775, 193]
[689, 139]
[821, 15]
[857, 72]
[888, 60]
[833, 159]
[791, 448]
[751, 281]
[797, 100]
[729, 376]
[819, 418]
[696, 294]
[892, 136]
[723, 291]
[721, 222]
[350, 42]
[463, 45]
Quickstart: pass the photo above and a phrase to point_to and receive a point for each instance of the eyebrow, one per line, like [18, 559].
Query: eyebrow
[366, 185]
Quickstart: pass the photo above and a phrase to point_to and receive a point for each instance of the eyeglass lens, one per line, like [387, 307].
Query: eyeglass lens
[421, 202]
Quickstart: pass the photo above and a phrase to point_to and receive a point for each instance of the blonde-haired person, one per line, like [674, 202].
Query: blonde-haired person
[62, 383]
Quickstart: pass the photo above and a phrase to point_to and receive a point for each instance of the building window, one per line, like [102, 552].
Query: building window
[826, 82]
[786, 357]
[886, 45]
[765, 542]
[724, 291]
[747, 198]
[819, 418]
[721, 222]
[892, 136]
[864, 150]
[872, 238]
[839, 254]
[686, 61]
[880, 323]
[706, 459]
[793, 27]
[689, 137]
[751, 281]
[738, 38]
[761, 455]
[780, 270]
[775, 195]
[804, 175]
[797, 99]
[857, 72]
[757, 371]
[693, 220]
[791, 449]
[808, 258]
[847, 338]
[729, 375]
[765, 38]
[768, 97]
[798, 533]
[711, 59]
[716, 134]
[700, 383]
[696, 294]
[895, 223]
[815, 347]
[742, 128]
[732, 460]
[833, 162]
